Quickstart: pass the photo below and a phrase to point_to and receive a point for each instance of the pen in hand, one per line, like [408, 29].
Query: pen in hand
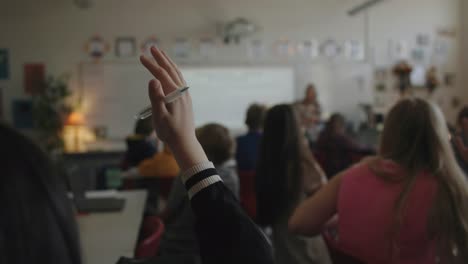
[147, 112]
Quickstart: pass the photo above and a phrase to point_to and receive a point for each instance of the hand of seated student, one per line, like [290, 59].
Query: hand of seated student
[173, 122]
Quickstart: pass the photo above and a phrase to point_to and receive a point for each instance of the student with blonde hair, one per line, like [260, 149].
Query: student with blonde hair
[407, 205]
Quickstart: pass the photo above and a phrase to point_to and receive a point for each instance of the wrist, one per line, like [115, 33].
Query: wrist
[188, 152]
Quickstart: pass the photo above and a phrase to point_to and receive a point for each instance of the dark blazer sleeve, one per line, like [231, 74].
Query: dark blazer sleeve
[225, 233]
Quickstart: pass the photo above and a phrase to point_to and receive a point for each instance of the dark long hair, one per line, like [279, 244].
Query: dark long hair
[37, 223]
[279, 174]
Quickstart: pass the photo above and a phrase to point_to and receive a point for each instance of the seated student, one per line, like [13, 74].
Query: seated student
[224, 232]
[407, 205]
[156, 175]
[179, 243]
[287, 173]
[461, 140]
[247, 145]
[37, 224]
[160, 165]
[246, 157]
[335, 148]
[140, 145]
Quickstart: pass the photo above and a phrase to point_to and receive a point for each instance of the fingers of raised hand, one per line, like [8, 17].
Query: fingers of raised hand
[156, 95]
[167, 82]
[166, 65]
[175, 69]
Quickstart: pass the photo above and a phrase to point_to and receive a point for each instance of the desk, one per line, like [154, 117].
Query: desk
[105, 237]
[88, 164]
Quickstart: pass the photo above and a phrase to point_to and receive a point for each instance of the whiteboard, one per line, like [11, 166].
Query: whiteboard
[113, 93]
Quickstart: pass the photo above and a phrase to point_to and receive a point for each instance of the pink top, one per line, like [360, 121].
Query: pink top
[366, 211]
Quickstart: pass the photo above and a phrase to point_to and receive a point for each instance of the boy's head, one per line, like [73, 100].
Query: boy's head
[144, 127]
[255, 117]
[217, 142]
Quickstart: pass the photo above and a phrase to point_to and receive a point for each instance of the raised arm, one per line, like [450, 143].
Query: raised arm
[310, 216]
[225, 233]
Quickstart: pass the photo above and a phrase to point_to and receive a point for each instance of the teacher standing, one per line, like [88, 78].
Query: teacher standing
[309, 111]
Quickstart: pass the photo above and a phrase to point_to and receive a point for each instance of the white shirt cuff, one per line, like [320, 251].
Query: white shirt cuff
[196, 169]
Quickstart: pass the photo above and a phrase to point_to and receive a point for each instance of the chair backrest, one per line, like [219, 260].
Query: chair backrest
[247, 193]
[153, 226]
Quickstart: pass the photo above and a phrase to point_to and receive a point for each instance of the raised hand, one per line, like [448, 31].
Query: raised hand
[173, 122]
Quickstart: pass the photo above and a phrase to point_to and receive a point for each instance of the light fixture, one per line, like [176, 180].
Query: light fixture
[362, 7]
[75, 120]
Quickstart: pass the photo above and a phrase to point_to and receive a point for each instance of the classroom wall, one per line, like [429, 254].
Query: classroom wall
[55, 31]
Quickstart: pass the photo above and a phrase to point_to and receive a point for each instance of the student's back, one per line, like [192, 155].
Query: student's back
[248, 144]
[336, 148]
[36, 223]
[365, 208]
[407, 205]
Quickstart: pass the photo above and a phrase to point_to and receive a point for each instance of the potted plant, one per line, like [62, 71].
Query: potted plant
[402, 71]
[50, 110]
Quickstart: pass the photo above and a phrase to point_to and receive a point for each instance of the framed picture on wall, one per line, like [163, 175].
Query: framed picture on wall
[256, 49]
[181, 48]
[97, 47]
[125, 47]
[354, 50]
[308, 49]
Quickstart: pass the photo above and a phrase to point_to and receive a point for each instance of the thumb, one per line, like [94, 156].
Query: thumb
[156, 95]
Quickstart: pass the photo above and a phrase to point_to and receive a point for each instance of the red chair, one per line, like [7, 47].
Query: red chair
[248, 198]
[153, 228]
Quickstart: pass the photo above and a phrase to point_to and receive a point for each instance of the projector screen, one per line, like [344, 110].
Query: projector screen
[114, 92]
